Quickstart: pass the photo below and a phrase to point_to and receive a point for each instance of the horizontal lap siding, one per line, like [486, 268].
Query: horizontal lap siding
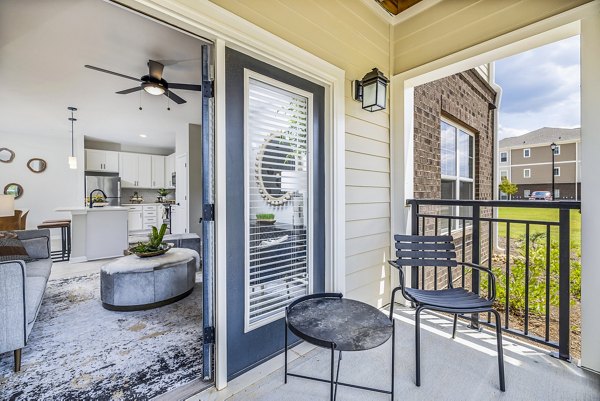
[328, 29]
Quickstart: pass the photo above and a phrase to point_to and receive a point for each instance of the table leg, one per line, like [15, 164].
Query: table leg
[332, 366]
[285, 353]
[393, 353]
[337, 376]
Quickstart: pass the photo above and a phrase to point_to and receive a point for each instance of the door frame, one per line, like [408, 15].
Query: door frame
[225, 29]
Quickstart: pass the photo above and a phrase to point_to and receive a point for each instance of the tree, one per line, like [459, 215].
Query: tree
[508, 187]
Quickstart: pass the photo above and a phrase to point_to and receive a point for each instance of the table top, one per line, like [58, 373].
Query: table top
[350, 324]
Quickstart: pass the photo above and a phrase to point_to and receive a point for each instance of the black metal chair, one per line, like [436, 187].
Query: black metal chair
[439, 251]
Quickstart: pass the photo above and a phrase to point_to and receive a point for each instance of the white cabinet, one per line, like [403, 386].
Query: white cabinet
[150, 217]
[145, 171]
[158, 171]
[169, 171]
[129, 170]
[135, 220]
[101, 160]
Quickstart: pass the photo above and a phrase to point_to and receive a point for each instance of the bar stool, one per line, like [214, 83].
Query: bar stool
[64, 253]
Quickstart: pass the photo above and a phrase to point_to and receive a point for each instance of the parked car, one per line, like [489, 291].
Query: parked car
[540, 195]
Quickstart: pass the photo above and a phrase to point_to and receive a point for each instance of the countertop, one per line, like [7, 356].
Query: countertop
[84, 210]
[144, 204]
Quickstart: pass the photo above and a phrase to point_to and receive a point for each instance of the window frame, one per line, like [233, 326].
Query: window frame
[526, 153]
[557, 148]
[503, 176]
[526, 193]
[505, 157]
[457, 178]
[556, 169]
[527, 175]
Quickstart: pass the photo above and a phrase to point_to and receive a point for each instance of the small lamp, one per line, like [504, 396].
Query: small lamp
[372, 91]
[7, 205]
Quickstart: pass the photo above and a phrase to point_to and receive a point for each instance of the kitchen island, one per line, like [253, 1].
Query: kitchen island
[97, 233]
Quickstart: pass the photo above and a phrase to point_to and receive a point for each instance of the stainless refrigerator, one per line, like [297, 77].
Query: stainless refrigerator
[110, 183]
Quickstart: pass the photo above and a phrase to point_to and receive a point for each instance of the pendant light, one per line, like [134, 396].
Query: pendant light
[72, 158]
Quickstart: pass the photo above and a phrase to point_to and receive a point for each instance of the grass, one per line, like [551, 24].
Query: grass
[520, 213]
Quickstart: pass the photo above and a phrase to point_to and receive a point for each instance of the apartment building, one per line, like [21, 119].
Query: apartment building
[526, 160]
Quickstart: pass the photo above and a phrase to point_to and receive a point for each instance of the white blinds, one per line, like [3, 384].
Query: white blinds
[277, 196]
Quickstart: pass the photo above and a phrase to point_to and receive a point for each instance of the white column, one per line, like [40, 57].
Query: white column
[590, 187]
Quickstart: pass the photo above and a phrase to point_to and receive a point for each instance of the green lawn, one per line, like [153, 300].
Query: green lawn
[520, 213]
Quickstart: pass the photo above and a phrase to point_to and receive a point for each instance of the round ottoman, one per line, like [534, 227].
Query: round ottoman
[133, 283]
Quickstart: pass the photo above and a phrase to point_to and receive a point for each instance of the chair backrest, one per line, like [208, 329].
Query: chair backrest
[423, 251]
[23, 223]
[11, 222]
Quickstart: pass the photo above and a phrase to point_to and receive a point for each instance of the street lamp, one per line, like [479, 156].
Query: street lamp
[553, 147]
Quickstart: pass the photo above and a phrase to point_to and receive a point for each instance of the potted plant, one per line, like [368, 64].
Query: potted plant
[265, 218]
[99, 200]
[162, 192]
[155, 246]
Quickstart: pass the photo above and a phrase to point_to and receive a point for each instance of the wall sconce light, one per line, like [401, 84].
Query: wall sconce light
[372, 90]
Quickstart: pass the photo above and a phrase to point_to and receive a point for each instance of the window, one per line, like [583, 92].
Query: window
[557, 150]
[556, 193]
[278, 186]
[503, 157]
[503, 174]
[458, 168]
[557, 171]
[527, 173]
[527, 152]
[526, 193]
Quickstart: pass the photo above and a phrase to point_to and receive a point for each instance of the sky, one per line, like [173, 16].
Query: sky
[540, 88]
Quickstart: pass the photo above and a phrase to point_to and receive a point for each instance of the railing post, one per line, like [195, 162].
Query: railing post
[414, 230]
[475, 258]
[564, 272]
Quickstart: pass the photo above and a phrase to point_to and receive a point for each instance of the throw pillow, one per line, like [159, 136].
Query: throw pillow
[11, 248]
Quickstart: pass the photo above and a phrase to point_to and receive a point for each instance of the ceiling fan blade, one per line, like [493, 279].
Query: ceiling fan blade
[174, 97]
[131, 90]
[91, 67]
[155, 69]
[187, 87]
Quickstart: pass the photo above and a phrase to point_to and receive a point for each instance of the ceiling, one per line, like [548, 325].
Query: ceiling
[395, 7]
[43, 48]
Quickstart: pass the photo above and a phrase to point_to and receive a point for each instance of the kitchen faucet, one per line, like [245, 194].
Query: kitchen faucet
[92, 198]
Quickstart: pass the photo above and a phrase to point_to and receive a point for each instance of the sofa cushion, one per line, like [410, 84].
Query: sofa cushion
[11, 248]
[39, 268]
[38, 248]
[34, 293]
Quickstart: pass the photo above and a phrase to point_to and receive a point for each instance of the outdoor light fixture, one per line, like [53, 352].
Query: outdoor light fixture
[372, 90]
[553, 148]
[7, 205]
[153, 88]
[72, 158]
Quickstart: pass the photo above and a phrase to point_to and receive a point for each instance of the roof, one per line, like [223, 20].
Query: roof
[542, 136]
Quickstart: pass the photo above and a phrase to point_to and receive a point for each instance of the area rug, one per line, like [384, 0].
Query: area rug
[80, 351]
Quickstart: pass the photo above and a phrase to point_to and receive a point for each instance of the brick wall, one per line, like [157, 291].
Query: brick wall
[463, 98]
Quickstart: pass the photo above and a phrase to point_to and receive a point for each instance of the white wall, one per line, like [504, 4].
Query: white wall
[58, 186]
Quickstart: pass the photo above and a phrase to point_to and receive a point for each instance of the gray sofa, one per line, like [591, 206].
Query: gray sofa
[22, 287]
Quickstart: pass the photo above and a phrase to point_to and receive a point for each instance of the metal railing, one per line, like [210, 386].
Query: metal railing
[471, 227]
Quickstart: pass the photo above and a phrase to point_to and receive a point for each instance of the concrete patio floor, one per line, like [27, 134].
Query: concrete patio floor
[461, 369]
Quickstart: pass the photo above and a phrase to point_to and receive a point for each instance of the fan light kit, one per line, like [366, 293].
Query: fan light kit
[153, 83]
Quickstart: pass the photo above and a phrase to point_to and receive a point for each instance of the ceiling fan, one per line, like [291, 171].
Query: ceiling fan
[153, 83]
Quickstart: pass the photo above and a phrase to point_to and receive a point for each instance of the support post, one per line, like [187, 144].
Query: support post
[414, 230]
[564, 271]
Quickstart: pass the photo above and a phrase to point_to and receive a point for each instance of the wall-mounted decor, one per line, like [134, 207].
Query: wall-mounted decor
[6, 155]
[37, 165]
[275, 156]
[13, 189]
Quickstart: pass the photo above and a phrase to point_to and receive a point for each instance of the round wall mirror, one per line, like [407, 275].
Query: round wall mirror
[6, 155]
[274, 157]
[13, 189]
[36, 165]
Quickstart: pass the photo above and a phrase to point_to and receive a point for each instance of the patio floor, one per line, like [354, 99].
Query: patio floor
[461, 369]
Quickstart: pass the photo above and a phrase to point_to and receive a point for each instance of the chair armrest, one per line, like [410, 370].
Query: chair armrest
[491, 275]
[13, 330]
[401, 287]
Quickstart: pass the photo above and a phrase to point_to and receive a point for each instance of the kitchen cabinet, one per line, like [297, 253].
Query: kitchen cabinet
[135, 219]
[169, 171]
[158, 171]
[135, 170]
[101, 160]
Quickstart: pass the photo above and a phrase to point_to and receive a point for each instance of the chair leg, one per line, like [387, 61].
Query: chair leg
[393, 302]
[418, 346]
[454, 326]
[17, 354]
[500, 350]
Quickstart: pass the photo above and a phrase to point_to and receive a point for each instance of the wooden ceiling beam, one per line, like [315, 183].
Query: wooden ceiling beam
[395, 7]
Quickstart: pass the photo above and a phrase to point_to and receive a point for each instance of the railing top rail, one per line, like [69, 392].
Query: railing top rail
[498, 203]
